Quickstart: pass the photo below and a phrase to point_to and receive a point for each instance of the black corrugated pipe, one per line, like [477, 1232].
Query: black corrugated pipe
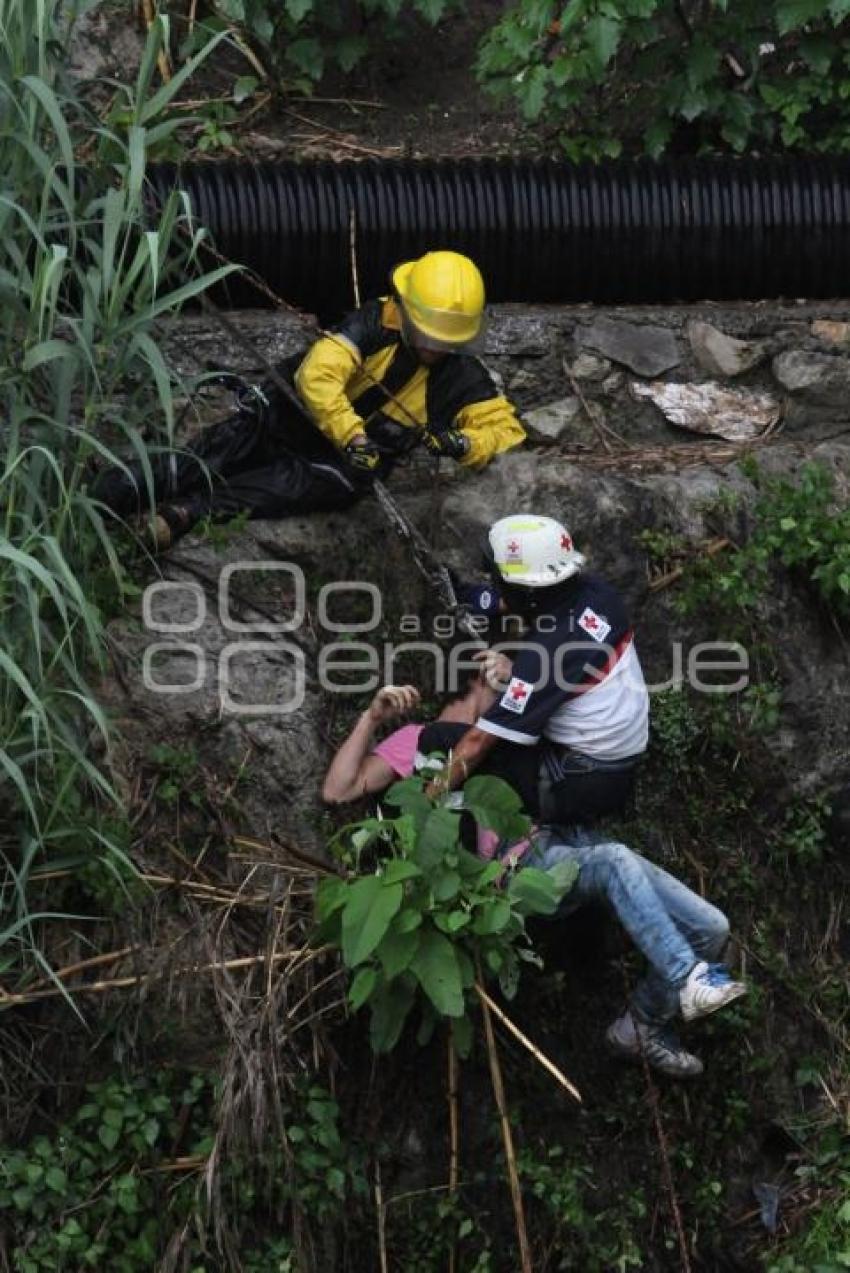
[632, 231]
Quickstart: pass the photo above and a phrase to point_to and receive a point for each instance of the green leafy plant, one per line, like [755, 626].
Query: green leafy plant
[91, 1194]
[755, 74]
[86, 270]
[300, 39]
[417, 928]
[802, 526]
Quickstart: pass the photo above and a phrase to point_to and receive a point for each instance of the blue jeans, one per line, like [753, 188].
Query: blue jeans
[670, 924]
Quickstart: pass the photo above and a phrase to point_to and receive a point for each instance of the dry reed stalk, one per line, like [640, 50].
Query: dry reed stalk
[163, 61]
[507, 1139]
[454, 1134]
[382, 1219]
[526, 1042]
[123, 983]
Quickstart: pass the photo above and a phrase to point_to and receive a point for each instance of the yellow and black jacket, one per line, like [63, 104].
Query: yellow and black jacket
[363, 373]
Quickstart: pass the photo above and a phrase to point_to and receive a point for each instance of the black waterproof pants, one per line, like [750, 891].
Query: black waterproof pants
[261, 460]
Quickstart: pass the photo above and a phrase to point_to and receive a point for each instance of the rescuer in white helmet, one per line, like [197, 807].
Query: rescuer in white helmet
[575, 688]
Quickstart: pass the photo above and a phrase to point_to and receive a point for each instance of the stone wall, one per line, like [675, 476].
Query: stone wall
[602, 457]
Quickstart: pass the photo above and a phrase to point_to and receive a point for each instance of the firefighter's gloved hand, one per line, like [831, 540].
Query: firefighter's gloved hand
[363, 456]
[452, 443]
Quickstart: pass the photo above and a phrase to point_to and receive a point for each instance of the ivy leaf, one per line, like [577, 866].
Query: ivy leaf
[362, 987]
[108, 1136]
[793, 14]
[431, 10]
[603, 38]
[370, 907]
[533, 92]
[298, 9]
[307, 55]
[818, 51]
[56, 1180]
[244, 88]
[436, 969]
[657, 136]
[233, 10]
[349, 50]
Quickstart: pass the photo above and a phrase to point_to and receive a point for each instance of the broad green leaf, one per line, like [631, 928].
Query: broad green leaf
[562, 877]
[362, 987]
[390, 1006]
[331, 896]
[492, 917]
[370, 907]
[436, 969]
[446, 886]
[533, 892]
[399, 869]
[462, 1036]
[495, 805]
[437, 838]
[839, 10]
[397, 950]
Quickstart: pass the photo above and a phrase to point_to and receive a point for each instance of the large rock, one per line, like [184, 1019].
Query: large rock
[647, 350]
[823, 379]
[722, 355]
[554, 422]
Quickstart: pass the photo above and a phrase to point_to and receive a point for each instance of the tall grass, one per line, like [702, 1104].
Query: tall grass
[83, 280]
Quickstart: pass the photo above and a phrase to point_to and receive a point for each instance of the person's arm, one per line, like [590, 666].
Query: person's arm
[465, 759]
[321, 380]
[490, 428]
[354, 770]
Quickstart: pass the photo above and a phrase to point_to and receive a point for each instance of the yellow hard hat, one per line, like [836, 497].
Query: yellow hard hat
[442, 299]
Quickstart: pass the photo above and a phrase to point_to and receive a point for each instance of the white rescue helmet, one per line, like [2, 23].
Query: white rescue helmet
[532, 551]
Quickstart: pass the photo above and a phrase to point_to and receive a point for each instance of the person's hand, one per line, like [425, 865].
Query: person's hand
[496, 668]
[362, 454]
[391, 701]
[451, 443]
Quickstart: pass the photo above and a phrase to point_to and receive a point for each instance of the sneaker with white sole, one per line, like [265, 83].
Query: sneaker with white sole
[632, 1039]
[709, 987]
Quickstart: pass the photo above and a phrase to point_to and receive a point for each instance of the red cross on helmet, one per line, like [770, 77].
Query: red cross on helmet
[533, 551]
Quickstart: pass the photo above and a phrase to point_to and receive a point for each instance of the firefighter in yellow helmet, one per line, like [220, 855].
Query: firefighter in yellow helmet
[402, 369]
[398, 371]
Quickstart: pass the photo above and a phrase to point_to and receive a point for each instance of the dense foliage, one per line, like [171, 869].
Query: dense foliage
[604, 75]
[301, 39]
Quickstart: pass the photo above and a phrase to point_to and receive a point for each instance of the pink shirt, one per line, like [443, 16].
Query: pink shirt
[399, 749]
